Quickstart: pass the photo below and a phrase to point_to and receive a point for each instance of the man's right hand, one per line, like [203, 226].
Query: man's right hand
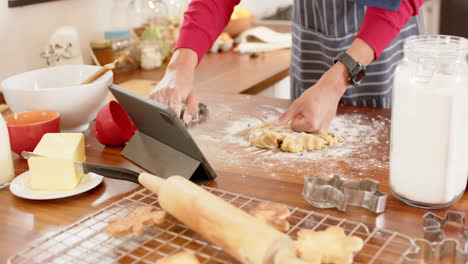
[176, 87]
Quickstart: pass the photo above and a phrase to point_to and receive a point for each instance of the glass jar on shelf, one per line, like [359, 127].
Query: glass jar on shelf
[125, 48]
[151, 47]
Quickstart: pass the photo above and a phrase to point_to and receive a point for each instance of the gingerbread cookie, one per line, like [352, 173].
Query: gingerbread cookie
[329, 246]
[282, 137]
[182, 257]
[135, 222]
[274, 214]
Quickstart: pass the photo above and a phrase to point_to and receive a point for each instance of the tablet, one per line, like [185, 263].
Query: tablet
[162, 144]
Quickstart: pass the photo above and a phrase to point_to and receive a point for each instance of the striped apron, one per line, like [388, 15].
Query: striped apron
[322, 29]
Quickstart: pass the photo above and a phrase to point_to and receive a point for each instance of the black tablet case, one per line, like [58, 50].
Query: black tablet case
[162, 144]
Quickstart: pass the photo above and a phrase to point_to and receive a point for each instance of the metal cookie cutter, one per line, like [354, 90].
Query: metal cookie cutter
[338, 192]
[202, 114]
[425, 252]
[434, 225]
[435, 247]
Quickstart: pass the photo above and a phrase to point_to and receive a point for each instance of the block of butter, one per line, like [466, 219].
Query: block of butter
[57, 170]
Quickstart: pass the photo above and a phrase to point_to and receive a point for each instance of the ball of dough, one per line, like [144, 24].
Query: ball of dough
[282, 137]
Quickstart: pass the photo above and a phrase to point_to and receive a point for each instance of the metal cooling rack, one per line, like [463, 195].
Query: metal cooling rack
[85, 242]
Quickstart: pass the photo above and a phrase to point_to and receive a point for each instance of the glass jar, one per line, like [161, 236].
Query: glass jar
[151, 55]
[125, 48]
[429, 131]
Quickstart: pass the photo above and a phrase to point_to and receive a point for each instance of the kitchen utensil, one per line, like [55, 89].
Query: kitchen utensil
[113, 126]
[436, 247]
[101, 169]
[58, 89]
[100, 72]
[86, 235]
[201, 116]
[339, 192]
[445, 251]
[240, 234]
[434, 225]
[68, 38]
[21, 187]
[27, 128]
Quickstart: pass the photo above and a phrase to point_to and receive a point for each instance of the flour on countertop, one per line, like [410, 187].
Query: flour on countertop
[361, 149]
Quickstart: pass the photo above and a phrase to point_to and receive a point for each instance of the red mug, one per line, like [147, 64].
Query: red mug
[27, 128]
[113, 127]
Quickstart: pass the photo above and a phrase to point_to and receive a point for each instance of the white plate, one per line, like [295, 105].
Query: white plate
[21, 188]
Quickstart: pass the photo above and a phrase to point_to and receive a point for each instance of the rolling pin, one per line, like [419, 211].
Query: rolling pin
[241, 235]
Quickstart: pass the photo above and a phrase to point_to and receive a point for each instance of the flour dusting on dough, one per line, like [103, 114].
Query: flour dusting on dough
[361, 149]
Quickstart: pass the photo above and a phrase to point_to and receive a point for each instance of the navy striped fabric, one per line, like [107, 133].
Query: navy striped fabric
[391, 5]
[321, 30]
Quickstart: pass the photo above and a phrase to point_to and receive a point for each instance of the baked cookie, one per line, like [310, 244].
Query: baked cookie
[282, 137]
[274, 214]
[135, 222]
[329, 246]
[182, 257]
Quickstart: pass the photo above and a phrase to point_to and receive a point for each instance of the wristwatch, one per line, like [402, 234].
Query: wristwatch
[356, 70]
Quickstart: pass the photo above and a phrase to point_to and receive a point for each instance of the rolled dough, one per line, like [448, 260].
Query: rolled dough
[282, 137]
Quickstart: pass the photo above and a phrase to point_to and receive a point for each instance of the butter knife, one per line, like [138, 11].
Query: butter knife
[101, 169]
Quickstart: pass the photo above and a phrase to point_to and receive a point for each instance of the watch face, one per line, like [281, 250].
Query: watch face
[360, 75]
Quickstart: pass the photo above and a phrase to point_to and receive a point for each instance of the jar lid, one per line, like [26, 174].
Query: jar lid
[101, 44]
[117, 34]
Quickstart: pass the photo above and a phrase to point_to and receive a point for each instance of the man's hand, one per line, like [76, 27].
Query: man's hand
[176, 87]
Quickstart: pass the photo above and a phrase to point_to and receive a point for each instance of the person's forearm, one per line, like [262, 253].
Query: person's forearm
[183, 60]
[203, 22]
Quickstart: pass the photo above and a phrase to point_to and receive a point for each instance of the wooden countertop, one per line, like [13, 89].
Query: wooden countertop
[243, 169]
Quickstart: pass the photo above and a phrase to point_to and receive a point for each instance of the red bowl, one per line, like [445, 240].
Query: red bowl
[27, 128]
[113, 127]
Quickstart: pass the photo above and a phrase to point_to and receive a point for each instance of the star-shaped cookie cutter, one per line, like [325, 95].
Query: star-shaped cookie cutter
[339, 192]
[435, 247]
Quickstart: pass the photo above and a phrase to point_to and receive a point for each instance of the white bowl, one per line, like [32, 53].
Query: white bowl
[58, 89]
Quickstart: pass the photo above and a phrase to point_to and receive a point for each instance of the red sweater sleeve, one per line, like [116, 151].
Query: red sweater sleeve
[204, 20]
[381, 26]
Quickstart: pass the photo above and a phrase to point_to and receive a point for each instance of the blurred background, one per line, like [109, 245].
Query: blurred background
[25, 30]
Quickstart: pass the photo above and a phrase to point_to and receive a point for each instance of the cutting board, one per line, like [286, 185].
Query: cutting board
[139, 86]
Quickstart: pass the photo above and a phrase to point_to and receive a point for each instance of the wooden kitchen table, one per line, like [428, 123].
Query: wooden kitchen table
[241, 168]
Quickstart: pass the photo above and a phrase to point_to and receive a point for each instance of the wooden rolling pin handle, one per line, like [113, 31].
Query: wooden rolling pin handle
[151, 182]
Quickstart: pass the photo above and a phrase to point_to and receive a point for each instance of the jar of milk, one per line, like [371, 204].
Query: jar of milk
[429, 131]
[6, 162]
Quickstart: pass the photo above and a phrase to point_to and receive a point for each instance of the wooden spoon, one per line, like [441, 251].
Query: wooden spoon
[100, 72]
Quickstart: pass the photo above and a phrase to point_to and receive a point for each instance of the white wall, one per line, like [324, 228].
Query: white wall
[25, 31]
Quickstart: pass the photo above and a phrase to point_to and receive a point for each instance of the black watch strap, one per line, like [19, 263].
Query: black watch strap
[347, 60]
